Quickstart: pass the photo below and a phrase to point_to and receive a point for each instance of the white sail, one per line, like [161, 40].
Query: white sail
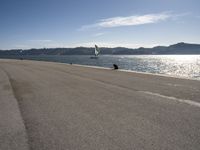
[97, 50]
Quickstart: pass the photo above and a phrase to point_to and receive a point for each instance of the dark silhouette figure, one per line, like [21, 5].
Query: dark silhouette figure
[115, 67]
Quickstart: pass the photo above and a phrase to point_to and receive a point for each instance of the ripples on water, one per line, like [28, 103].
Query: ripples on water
[174, 65]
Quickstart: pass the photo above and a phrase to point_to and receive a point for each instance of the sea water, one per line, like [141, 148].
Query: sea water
[187, 66]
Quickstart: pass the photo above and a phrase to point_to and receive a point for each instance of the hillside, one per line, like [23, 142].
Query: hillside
[179, 48]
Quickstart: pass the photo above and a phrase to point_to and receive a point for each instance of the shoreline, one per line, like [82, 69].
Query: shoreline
[107, 68]
[138, 72]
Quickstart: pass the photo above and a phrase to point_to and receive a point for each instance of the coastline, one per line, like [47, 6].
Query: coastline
[123, 70]
[139, 72]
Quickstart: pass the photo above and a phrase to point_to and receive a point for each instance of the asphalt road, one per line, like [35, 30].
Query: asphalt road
[53, 106]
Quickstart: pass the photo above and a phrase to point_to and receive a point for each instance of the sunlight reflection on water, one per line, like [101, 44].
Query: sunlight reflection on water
[175, 65]
[187, 66]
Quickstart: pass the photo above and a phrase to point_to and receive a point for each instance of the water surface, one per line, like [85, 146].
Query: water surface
[187, 66]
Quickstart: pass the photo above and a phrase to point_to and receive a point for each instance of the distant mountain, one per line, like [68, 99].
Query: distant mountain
[179, 48]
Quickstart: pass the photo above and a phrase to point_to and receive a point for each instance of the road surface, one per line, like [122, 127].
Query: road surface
[54, 106]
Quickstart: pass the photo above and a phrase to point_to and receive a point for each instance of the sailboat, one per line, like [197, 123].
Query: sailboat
[96, 52]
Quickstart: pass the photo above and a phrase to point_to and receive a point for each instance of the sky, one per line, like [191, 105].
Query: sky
[28, 24]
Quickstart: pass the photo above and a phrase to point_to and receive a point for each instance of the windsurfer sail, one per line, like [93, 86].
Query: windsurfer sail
[96, 52]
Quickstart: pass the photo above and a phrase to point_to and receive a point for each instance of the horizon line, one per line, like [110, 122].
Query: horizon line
[98, 46]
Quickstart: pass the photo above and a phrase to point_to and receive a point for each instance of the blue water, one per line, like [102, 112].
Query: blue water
[187, 66]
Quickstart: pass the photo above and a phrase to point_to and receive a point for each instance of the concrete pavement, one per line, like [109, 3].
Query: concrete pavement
[59, 106]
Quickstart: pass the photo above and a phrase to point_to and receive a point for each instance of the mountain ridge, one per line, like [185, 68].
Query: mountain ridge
[179, 48]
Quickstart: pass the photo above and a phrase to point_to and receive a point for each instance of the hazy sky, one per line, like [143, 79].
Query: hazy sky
[70, 23]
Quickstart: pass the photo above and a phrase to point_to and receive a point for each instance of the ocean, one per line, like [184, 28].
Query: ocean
[186, 66]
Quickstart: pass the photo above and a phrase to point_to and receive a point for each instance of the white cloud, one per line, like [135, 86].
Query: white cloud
[21, 46]
[132, 20]
[41, 41]
[177, 16]
[99, 34]
[40, 44]
[129, 21]
[113, 44]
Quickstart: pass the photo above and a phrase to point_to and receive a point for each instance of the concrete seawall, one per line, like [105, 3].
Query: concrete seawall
[48, 106]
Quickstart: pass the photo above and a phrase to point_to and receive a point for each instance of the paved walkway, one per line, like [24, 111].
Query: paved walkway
[53, 106]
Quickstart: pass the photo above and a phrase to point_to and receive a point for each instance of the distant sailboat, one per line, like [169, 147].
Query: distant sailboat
[96, 52]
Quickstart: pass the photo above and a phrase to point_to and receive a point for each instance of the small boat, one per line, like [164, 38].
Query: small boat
[96, 52]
